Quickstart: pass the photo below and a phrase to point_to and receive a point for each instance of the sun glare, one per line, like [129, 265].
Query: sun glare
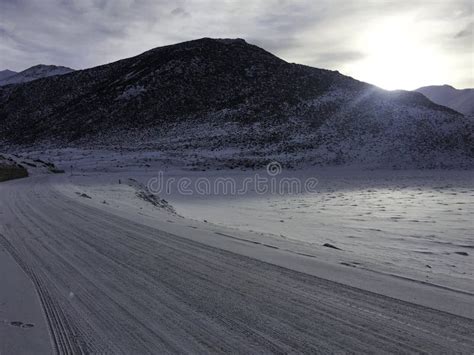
[397, 57]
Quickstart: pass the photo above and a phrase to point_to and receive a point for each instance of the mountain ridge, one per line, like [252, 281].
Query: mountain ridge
[33, 73]
[212, 95]
[4, 74]
[461, 100]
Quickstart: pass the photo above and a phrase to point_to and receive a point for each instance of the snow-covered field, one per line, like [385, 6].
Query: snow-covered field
[101, 249]
[411, 223]
[419, 221]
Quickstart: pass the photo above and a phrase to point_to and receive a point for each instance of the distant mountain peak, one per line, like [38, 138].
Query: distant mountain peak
[4, 74]
[47, 66]
[461, 100]
[446, 86]
[35, 72]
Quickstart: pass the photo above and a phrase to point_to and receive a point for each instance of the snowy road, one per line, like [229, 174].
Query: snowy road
[111, 285]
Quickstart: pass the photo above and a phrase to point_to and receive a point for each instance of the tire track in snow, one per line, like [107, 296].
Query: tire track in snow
[136, 289]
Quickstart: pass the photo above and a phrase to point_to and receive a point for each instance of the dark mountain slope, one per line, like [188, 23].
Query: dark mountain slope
[213, 94]
[187, 79]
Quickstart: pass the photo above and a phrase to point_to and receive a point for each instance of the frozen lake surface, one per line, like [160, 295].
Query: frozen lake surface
[421, 220]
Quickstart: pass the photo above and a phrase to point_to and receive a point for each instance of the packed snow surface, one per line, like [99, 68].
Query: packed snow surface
[414, 223]
[119, 269]
[418, 220]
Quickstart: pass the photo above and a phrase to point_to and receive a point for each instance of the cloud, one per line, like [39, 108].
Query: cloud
[323, 33]
[336, 58]
[467, 32]
[179, 11]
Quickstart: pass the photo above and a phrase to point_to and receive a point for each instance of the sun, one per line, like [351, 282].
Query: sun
[397, 56]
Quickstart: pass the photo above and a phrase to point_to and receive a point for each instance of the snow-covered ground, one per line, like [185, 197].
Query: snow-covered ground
[417, 220]
[411, 223]
[102, 249]
[115, 280]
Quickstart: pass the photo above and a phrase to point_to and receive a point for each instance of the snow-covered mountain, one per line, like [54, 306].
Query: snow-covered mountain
[33, 73]
[459, 100]
[6, 74]
[230, 103]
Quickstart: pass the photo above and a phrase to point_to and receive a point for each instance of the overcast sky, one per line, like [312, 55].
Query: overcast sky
[394, 44]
